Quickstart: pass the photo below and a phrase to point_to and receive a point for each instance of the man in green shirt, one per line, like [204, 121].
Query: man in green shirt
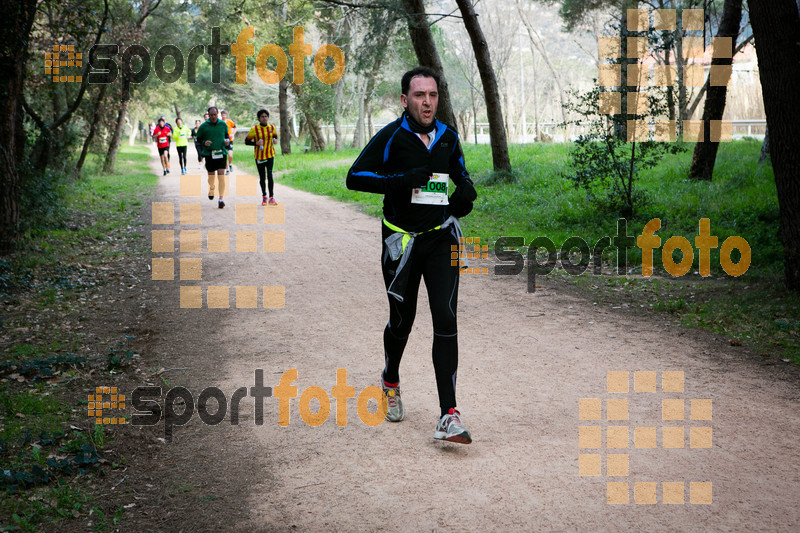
[213, 136]
[181, 135]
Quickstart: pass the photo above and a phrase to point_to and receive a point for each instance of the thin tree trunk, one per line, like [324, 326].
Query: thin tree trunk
[537, 44]
[96, 112]
[764, 148]
[537, 126]
[116, 138]
[776, 27]
[134, 129]
[145, 10]
[705, 152]
[497, 134]
[285, 121]
[358, 134]
[317, 140]
[670, 88]
[337, 115]
[427, 55]
[620, 123]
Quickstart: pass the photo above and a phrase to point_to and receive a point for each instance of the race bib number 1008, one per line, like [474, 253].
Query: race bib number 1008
[434, 193]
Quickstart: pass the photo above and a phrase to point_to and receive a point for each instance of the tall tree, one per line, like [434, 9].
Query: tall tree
[705, 152]
[776, 26]
[427, 54]
[497, 132]
[538, 44]
[135, 33]
[19, 17]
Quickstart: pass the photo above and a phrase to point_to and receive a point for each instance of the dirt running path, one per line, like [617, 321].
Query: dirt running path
[526, 360]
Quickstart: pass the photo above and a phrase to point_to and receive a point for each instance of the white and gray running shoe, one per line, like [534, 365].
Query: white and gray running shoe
[396, 411]
[450, 428]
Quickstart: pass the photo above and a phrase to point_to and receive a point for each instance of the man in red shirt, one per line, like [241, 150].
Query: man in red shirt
[161, 135]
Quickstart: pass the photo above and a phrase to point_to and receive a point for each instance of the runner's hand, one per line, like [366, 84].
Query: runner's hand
[411, 179]
[417, 177]
[461, 201]
[207, 143]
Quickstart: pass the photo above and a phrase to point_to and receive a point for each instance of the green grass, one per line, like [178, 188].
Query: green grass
[538, 200]
[45, 284]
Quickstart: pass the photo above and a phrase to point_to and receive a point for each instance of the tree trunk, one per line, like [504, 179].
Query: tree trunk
[13, 50]
[145, 10]
[670, 88]
[776, 27]
[96, 112]
[337, 116]
[285, 121]
[177, 112]
[317, 140]
[497, 134]
[358, 133]
[679, 64]
[116, 138]
[134, 129]
[620, 122]
[538, 45]
[764, 148]
[427, 55]
[705, 152]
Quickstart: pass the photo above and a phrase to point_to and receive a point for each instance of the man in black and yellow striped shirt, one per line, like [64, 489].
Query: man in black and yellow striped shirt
[260, 136]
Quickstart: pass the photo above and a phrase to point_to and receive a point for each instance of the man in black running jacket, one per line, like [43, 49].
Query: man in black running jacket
[410, 162]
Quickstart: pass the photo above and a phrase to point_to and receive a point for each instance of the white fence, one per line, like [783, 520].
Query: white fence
[741, 129]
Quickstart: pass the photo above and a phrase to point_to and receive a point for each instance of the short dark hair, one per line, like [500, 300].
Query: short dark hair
[426, 72]
[262, 112]
[212, 107]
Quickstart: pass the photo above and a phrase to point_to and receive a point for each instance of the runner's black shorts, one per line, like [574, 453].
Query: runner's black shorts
[216, 164]
[162, 151]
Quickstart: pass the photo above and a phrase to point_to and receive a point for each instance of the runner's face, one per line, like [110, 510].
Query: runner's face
[212, 117]
[263, 119]
[422, 100]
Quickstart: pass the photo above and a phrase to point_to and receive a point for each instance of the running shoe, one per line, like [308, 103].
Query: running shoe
[165, 172]
[396, 411]
[210, 196]
[264, 201]
[227, 172]
[450, 428]
[221, 204]
[230, 167]
[272, 201]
